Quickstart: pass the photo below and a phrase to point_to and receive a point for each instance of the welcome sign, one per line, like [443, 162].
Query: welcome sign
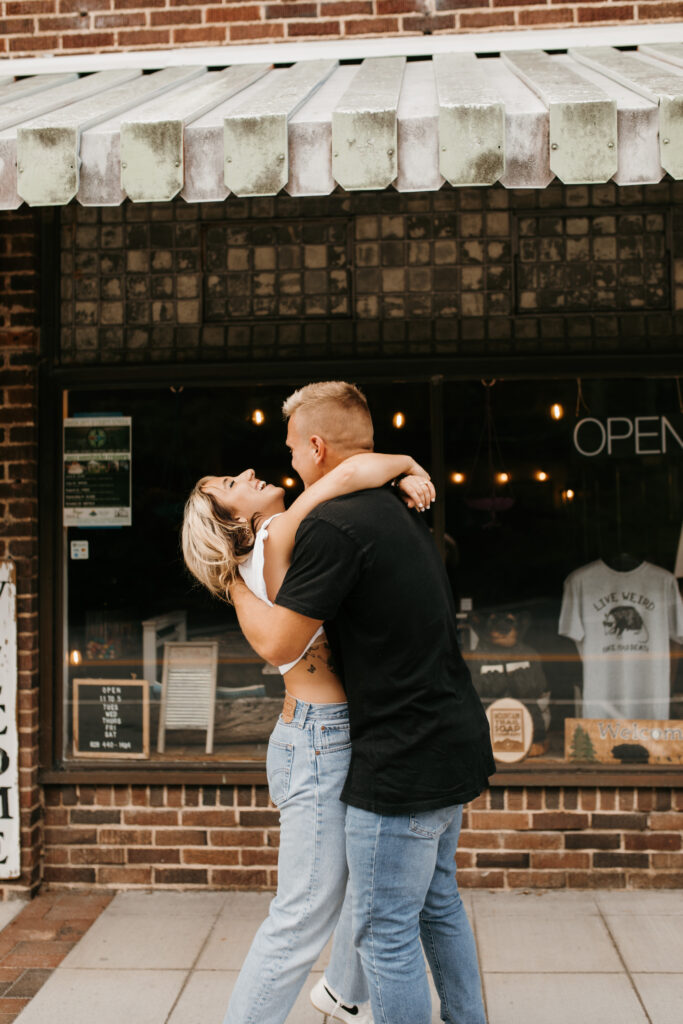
[623, 741]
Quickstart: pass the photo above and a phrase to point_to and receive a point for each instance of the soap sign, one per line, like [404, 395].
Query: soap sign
[111, 718]
[9, 772]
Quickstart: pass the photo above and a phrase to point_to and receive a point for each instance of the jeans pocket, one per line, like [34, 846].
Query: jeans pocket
[431, 824]
[279, 770]
[335, 737]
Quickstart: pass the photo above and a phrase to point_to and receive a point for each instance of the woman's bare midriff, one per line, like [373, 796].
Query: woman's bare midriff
[313, 679]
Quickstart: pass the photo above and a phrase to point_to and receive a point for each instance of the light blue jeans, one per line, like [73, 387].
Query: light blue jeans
[404, 890]
[307, 762]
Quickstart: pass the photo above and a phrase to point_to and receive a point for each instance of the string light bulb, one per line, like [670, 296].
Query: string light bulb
[556, 411]
[541, 476]
[399, 420]
[457, 478]
[502, 478]
[568, 495]
[75, 657]
[289, 481]
[258, 417]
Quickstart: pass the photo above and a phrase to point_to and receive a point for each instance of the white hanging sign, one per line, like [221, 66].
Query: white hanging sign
[10, 865]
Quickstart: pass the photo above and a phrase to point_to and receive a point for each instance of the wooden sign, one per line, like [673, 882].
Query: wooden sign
[512, 729]
[9, 739]
[111, 718]
[623, 741]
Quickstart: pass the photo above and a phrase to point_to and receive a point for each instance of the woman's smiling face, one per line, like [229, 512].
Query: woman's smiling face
[244, 496]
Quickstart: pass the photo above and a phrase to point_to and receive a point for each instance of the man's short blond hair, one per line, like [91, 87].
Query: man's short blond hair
[335, 410]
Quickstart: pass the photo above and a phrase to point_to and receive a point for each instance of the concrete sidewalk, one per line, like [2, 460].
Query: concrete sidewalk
[546, 958]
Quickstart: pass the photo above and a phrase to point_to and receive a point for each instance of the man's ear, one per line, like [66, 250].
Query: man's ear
[318, 448]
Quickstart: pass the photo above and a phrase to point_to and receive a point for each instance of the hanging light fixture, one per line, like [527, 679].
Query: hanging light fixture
[541, 476]
[399, 420]
[556, 411]
[457, 478]
[568, 495]
[502, 478]
[258, 417]
[75, 657]
[289, 481]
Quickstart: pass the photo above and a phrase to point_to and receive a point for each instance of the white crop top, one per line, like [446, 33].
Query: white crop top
[251, 571]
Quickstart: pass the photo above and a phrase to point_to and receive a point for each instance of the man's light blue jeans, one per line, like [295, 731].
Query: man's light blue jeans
[307, 762]
[402, 875]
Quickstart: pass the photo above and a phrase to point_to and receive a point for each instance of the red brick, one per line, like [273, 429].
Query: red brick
[371, 26]
[240, 878]
[332, 9]
[66, 23]
[83, 876]
[65, 6]
[205, 34]
[212, 855]
[486, 19]
[206, 818]
[649, 841]
[88, 40]
[667, 861]
[533, 879]
[264, 856]
[180, 876]
[313, 28]
[397, 7]
[661, 821]
[479, 840]
[125, 836]
[619, 860]
[629, 822]
[545, 17]
[499, 820]
[27, 7]
[265, 818]
[179, 837]
[143, 37]
[291, 10]
[565, 820]
[12, 26]
[532, 841]
[475, 878]
[655, 10]
[235, 12]
[605, 12]
[561, 859]
[150, 817]
[97, 855]
[274, 30]
[592, 841]
[130, 20]
[181, 17]
[125, 5]
[500, 859]
[235, 837]
[655, 880]
[155, 855]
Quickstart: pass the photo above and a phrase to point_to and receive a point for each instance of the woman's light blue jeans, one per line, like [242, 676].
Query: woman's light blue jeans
[307, 762]
[405, 899]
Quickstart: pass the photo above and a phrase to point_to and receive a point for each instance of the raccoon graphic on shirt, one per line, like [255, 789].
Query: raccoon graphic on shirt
[622, 624]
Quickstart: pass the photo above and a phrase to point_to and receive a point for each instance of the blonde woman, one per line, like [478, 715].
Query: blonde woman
[238, 525]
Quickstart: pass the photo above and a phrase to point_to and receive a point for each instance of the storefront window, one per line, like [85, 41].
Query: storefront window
[563, 527]
[562, 508]
[155, 668]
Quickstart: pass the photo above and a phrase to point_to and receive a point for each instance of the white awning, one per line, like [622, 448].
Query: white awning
[521, 118]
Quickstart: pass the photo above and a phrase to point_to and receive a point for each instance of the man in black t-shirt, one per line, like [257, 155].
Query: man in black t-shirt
[368, 567]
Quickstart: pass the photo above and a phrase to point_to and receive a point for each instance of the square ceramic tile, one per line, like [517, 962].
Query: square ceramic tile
[108, 997]
[649, 944]
[536, 943]
[662, 996]
[155, 941]
[561, 999]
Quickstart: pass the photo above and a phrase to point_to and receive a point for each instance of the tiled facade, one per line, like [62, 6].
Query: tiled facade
[458, 272]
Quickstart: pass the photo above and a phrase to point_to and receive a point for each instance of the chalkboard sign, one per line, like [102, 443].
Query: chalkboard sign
[111, 718]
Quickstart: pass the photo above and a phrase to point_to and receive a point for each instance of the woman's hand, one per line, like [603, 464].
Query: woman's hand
[417, 490]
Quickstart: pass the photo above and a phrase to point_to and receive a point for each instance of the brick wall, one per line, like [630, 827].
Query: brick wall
[19, 343]
[72, 26]
[227, 837]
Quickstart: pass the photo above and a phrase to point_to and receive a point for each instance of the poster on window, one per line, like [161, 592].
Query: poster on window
[9, 742]
[97, 471]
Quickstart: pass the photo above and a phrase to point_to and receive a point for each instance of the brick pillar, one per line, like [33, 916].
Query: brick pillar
[19, 346]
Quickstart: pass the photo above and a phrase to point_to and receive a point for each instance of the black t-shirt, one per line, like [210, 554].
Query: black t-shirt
[419, 735]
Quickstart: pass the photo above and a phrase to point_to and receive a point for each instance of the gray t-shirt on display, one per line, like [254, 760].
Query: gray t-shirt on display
[622, 623]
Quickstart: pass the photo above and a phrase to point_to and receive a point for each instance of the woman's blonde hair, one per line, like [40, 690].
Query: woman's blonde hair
[213, 542]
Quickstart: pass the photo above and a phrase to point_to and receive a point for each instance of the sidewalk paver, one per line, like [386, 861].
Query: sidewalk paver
[173, 958]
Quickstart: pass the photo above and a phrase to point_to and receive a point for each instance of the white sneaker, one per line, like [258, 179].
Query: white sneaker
[333, 1009]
